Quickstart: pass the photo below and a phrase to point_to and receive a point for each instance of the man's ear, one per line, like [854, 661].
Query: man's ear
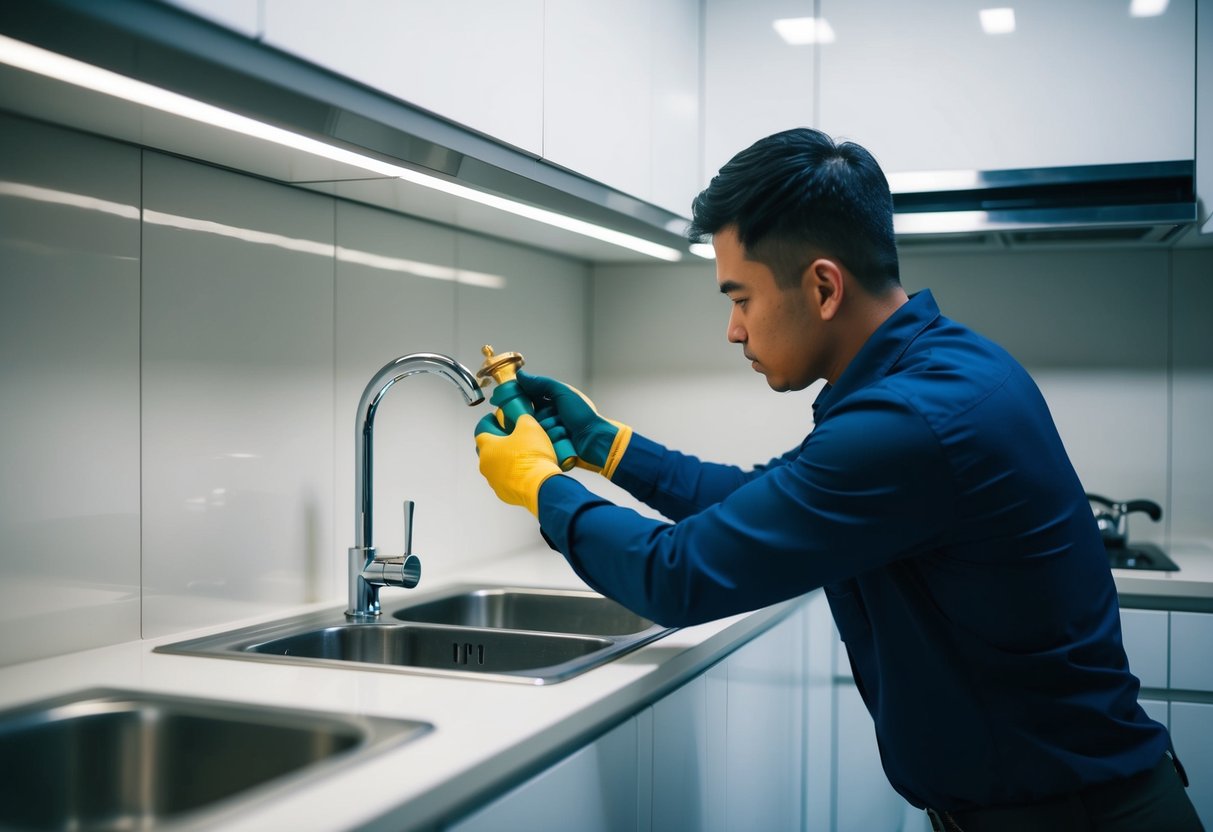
[823, 285]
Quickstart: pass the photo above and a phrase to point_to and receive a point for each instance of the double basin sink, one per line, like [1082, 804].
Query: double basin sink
[534, 636]
[111, 759]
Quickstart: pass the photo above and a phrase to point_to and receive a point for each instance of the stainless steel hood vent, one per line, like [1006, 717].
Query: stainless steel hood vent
[1152, 202]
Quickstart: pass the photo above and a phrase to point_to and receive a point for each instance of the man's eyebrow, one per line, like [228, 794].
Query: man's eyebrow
[730, 286]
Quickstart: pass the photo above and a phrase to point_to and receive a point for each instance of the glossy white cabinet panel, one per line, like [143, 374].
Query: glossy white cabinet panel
[517, 300]
[1145, 636]
[396, 295]
[765, 734]
[682, 785]
[69, 391]
[1157, 709]
[864, 798]
[476, 62]
[594, 789]
[1192, 731]
[925, 88]
[237, 412]
[597, 88]
[243, 16]
[676, 146]
[1192, 651]
[754, 83]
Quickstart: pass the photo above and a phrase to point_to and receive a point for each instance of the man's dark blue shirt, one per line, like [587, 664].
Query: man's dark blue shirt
[936, 505]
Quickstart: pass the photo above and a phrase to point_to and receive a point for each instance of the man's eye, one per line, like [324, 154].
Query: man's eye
[740, 302]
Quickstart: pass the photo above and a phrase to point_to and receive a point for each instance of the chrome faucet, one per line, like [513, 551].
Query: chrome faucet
[367, 571]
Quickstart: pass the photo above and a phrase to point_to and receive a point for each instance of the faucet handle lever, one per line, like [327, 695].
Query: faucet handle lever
[408, 527]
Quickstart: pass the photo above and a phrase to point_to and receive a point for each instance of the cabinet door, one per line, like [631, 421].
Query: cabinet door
[676, 177]
[863, 796]
[476, 62]
[754, 83]
[765, 734]
[598, 117]
[1192, 651]
[688, 756]
[238, 15]
[924, 87]
[1192, 733]
[594, 789]
[1144, 633]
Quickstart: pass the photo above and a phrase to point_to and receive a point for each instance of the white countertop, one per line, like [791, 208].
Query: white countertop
[1193, 581]
[485, 732]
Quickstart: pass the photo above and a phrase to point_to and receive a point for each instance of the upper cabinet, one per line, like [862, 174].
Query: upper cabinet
[476, 62]
[607, 90]
[956, 85]
[621, 95]
[755, 82]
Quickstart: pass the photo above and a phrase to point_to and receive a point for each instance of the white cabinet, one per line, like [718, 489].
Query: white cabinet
[476, 62]
[863, 799]
[1144, 633]
[925, 87]
[241, 16]
[1192, 733]
[765, 730]
[621, 95]
[595, 789]
[688, 760]
[1186, 710]
[754, 83]
[724, 751]
[863, 796]
[1192, 651]
[676, 103]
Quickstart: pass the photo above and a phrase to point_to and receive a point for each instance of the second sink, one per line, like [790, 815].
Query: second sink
[548, 611]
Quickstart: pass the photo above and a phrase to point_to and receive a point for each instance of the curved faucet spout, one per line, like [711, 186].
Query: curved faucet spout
[364, 587]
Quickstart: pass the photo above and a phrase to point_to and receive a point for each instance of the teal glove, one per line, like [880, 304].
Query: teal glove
[565, 413]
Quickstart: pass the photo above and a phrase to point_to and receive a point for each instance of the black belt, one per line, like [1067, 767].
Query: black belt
[1075, 811]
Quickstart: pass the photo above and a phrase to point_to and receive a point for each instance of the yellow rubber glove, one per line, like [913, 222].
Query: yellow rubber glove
[517, 463]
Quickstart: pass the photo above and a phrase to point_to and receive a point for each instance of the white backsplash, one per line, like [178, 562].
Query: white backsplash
[176, 423]
[69, 391]
[177, 417]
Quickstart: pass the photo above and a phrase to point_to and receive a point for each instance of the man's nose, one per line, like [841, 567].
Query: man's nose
[734, 332]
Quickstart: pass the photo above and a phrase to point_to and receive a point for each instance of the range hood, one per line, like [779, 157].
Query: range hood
[1151, 202]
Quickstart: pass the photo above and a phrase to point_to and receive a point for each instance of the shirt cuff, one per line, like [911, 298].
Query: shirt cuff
[638, 470]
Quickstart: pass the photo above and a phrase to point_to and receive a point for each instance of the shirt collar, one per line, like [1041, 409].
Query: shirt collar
[881, 351]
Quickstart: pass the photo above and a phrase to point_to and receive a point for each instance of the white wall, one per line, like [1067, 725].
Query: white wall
[178, 387]
[1118, 341]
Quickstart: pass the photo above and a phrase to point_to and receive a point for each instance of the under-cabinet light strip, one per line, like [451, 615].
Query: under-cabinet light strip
[69, 70]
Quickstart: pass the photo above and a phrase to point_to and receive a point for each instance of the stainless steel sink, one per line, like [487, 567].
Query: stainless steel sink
[108, 759]
[548, 611]
[476, 650]
[535, 636]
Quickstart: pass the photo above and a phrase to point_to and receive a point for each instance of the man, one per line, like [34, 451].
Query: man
[933, 501]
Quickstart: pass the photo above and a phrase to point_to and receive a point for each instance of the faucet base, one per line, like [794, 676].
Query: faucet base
[368, 573]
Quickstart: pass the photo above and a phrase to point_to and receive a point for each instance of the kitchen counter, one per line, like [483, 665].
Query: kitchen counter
[488, 735]
[1191, 588]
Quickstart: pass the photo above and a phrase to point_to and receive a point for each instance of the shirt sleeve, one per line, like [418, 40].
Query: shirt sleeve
[870, 485]
[677, 484]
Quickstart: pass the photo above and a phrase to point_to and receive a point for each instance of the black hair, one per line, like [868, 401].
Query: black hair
[797, 195]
